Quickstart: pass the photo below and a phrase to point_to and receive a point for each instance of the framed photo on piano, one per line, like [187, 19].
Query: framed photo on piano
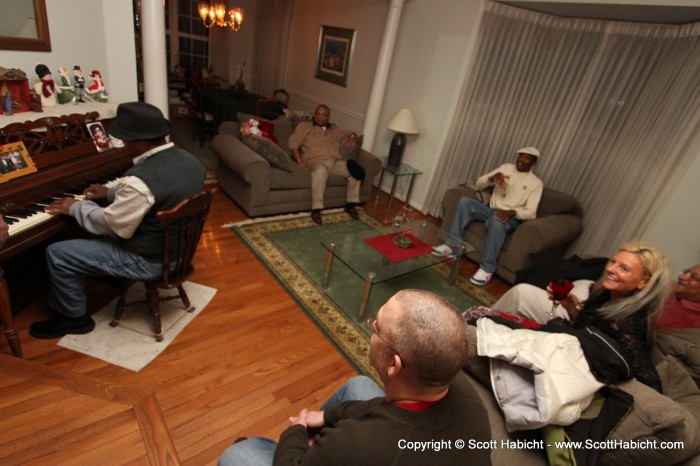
[99, 136]
[14, 161]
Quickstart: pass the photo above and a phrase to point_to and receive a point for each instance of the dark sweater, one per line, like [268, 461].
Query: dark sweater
[375, 432]
[172, 175]
[630, 333]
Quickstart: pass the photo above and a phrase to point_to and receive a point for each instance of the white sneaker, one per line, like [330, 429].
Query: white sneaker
[443, 250]
[481, 277]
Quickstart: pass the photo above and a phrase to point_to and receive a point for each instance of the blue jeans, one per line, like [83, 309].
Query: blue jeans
[71, 262]
[468, 210]
[260, 451]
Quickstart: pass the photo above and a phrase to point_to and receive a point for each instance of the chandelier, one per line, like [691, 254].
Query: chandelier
[216, 14]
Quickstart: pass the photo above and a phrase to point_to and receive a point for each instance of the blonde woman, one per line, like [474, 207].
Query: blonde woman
[623, 303]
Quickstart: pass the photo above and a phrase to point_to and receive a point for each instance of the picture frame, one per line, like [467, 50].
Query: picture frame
[335, 48]
[15, 161]
[99, 136]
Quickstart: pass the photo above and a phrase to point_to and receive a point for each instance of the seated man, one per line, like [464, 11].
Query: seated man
[516, 195]
[682, 310]
[131, 245]
[418, 348]
[316, 145]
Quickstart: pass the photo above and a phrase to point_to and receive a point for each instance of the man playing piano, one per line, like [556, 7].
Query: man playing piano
[131, 235]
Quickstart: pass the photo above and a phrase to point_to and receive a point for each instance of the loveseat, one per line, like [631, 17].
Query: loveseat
[672, 417]
[557, 225]
[263, 185]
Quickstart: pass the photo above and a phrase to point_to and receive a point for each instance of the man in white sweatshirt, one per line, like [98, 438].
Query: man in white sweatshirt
[516, 195]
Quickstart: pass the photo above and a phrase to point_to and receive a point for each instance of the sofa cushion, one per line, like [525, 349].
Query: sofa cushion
[297, 177]
[658, 418]
[273, 153]
[283, 127]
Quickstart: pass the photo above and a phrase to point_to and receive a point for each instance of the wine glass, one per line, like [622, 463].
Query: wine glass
[560, 288]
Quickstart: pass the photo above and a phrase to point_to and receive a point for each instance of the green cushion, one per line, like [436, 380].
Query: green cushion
[268, 149]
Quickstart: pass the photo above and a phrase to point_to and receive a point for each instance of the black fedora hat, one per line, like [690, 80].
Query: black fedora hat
[139, 121]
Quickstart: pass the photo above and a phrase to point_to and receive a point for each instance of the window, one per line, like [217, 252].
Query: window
[187, 39]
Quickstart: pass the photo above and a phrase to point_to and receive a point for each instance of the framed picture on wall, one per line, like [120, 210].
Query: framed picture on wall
[334, 54]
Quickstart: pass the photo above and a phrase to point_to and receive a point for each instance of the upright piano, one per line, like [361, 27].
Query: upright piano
[67, 161]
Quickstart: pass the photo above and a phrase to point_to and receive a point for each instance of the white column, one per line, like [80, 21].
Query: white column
[155, 68]
[376, 97]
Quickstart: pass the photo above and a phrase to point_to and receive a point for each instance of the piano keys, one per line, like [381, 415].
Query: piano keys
[34, 214]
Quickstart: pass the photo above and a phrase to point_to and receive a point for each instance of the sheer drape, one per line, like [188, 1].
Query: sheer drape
[271, 45]
[611, 105]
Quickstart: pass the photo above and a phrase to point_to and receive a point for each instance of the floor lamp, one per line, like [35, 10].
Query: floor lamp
[402, 123]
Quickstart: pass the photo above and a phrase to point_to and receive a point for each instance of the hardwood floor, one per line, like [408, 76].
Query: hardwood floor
[245, 364]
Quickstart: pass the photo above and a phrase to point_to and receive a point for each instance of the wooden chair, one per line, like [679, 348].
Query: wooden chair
[274, 106]
[182, 230]
[204, 121]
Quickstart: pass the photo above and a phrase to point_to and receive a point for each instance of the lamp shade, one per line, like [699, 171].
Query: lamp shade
[403, 122]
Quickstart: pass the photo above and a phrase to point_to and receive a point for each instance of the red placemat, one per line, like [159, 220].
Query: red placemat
[385, 245]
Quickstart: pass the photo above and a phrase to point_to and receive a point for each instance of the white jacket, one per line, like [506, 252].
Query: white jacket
[538, 378]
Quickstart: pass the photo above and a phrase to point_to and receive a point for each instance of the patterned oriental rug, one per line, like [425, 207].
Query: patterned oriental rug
[289, 246]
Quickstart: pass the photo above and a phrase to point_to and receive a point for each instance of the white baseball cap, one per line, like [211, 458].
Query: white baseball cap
[530, 151]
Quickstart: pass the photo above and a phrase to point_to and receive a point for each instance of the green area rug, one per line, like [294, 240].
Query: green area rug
[290, 247]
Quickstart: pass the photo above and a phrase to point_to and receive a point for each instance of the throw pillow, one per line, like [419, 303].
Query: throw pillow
[283, 127]
[350, 154]
[269, 150]
[683, 344]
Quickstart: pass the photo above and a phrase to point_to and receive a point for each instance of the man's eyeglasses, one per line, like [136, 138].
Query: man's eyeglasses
[693, 276]
[371, 324]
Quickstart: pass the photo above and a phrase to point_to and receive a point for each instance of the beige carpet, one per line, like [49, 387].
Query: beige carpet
[131, 345]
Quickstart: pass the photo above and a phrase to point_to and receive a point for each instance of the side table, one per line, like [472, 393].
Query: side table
[402, 170]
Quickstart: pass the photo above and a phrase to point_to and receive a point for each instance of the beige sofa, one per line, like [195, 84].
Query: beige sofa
[557, 225]
[262, 189]
[672, 417]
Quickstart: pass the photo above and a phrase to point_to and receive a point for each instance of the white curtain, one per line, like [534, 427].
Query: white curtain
[612, 106]
[271, 45]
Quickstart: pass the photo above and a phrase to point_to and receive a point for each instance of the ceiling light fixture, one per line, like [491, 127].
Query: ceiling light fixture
[216, 14]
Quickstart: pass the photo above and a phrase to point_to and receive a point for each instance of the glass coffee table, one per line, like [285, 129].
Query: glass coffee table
[373, 267]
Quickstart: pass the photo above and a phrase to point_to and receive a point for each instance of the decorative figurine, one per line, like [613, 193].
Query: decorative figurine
[45, 86]
[79, 83]
[35, 101]
[402, 221]
[255, 127]
[96, 91]
[7, 100]
[66, 94]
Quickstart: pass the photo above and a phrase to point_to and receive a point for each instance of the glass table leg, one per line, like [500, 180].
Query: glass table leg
[329, 263]
[365, 295]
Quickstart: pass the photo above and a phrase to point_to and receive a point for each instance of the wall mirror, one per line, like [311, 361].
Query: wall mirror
[25, 26]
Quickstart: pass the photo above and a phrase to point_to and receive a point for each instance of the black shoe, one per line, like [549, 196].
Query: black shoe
[316, 217]
[61, 326]
[352, 212]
